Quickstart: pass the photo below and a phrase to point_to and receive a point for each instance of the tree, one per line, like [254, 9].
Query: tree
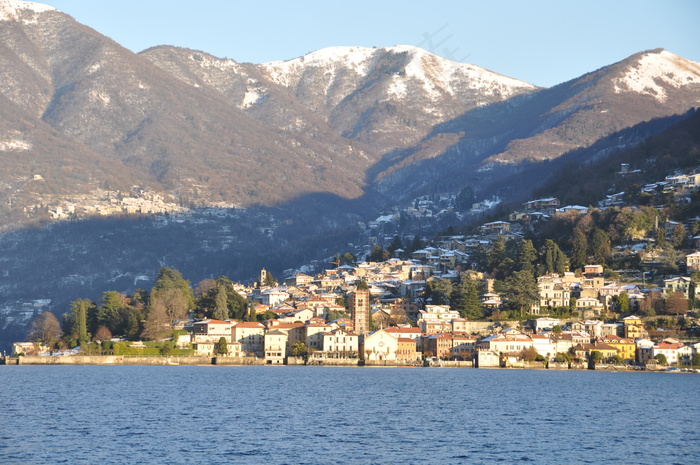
[527, 256]
[623, 303]
[595, 356]
[676, 304]
[252, 313]
[113, 312]
[496, 257]
[652, 304]
[221, 311]
[79, 318]
[562, 357]
[45, 329]
[158, 324]
[173, 301]
[467, 300]
[521, 290]
[465, 199]
[378, 254]
[169, 279]
[600, 246]
[660, 237]
[395, 245]
[579, 250]
[529, 354]
[440, 291]
[661, 358]
[103, 334]
[554, 260]
[299, 349]
[270, 280]
[416, 244]
[556, 329]
[679, 236]
[221, 346]
[397, 316]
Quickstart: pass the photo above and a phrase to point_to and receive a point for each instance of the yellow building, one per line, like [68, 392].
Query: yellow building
[626, 348]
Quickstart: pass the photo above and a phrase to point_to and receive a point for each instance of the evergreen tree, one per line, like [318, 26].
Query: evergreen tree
[377, 254]
[221, 311]
[497, 253]
[395, 245]
[79, 310]
[440, 291]
[270, 280]
[660, 237]
[600, 246]
[221, 346]
[579, 250]
[467, 300]
[527, 256]
[521, 290]
[169, 279]
[554, 260]
[416, 244]
[623, 303]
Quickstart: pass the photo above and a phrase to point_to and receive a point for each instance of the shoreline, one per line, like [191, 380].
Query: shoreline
[115, 360]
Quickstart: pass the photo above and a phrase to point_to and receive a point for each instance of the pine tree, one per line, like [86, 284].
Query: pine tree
[600, 246]
[527, 256]
[221, 346]
[579, 250]
[221, 311]
[79, 312]
[467, 300]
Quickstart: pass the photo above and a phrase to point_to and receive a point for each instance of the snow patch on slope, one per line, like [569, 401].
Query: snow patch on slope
[15, 10]
[655, 69]
[14, 143]
[439, 75]
[354, 58]
[255, 94]
[436, 75]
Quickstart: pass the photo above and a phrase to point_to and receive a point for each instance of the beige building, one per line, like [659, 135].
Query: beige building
[692, 261]
[275, 347]
[211, 331]
[380, 345]
[340, 344]
[251, 336]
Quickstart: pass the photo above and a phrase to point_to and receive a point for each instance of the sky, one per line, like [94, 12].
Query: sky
[541, 42]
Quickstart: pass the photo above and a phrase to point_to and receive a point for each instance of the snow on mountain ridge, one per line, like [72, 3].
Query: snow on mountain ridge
[654, 68]
[12, 10]
[436, 74]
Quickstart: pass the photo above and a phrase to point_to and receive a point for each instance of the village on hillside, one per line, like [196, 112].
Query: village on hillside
[487, 299]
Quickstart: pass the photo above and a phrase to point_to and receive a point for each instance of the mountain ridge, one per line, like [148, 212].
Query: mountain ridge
[349, 121]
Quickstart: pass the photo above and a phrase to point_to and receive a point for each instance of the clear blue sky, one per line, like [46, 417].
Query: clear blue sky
[541, 42]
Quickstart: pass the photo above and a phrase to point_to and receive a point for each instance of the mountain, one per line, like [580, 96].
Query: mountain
[203, 130]
[504, 137]
[384, 123]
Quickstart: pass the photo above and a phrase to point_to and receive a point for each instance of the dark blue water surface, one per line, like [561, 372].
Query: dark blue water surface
[324, 415]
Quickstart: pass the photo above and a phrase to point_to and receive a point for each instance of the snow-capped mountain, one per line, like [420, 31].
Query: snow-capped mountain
[393, 121]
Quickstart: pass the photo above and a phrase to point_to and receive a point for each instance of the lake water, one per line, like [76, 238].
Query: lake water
[326, 415]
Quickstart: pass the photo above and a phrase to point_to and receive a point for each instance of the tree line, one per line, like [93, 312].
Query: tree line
[141, 314]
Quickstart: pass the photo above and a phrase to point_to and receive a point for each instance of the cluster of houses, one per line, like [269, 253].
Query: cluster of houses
[104, 203]
[458, 339]
[308, 320]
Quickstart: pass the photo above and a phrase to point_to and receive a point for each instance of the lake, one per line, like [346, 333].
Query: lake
[333, 415]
